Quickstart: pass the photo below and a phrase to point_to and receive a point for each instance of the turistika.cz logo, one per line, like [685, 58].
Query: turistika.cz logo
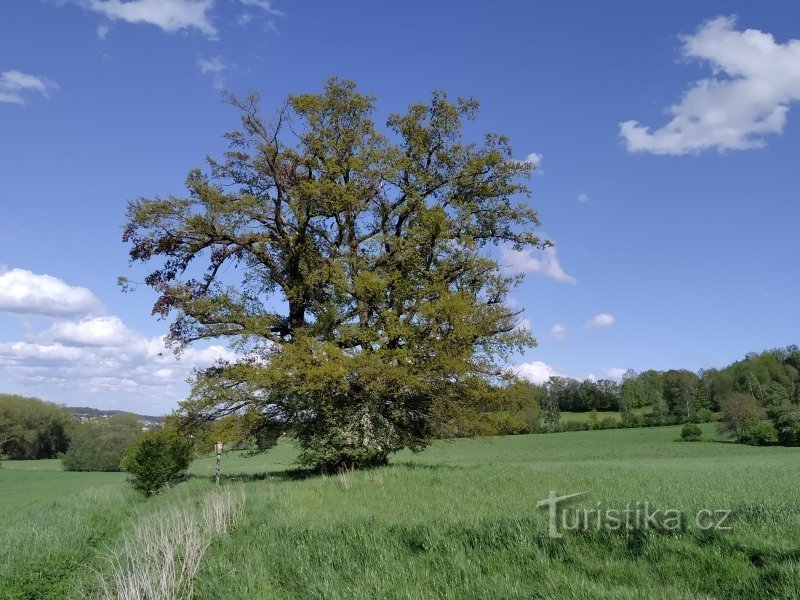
[637, 516]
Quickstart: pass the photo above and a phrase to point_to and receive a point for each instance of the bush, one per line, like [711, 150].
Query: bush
[157, 458]
[609, 423]
[787, 421]
[691, 433]
[99, 445]
[759, 433]
[702, 415]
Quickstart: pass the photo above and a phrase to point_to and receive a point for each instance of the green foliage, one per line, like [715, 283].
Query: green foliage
[157, 458]
[378, 245]
[99, 445]
[740, 416]
[31, 428]
[786, 418]
[691, 433]
[759, 433]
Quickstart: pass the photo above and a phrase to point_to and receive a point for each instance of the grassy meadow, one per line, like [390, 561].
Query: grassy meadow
[459, 520]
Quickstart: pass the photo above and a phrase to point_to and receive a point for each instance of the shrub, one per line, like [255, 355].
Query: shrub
[702, 415]
[786, 418]
[157, 458]
[741, 414]
[691, 433]
[759, 433]
[99, 445]
[609, 423]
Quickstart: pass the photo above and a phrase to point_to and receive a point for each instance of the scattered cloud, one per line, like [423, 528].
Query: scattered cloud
[24, 292]
[536, 371]
[559, 332]
[543, 262]
[534, 158]
[266, 16]
[169, 15]
[15, 85]
[600, 320]
[265, 5]
[754, 81]
[583, 198]
[215, 67]
[615, 372]
[102, 30]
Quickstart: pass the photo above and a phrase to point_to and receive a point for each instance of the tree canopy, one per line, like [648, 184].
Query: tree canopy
[350, 267]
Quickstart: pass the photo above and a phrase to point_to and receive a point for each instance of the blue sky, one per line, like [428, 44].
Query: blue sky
[666, 138]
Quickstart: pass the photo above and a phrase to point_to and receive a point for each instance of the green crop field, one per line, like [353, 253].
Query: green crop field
[459, 520]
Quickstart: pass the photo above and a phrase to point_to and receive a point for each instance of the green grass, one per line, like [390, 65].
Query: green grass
[456, 521]
[583, 417]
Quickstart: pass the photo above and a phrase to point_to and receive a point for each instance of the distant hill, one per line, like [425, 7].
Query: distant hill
[97, 413]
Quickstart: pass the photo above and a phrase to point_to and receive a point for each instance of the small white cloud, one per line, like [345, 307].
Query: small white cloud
[96, 331]
[755, 80]
[24, 292]
[14, 85]
[534, 158]
[583, 198]
[542, 262]
[615, 372]
[215, 67]
[102, 30]
[265, 5]
[559, 332]
[169, 15]
[535, 371]
[600, 320]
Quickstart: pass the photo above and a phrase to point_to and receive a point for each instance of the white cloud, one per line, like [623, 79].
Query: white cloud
[28, 293]
[536, 371]
[169, 15]
[265, 5]
[543, 262]
[615, 372]
[96, 331]
[559, 332]
[600, 320]
[534, 158]
[102, 30]
[15, 84]
[583, 198]
[754, 81]
[102, 366]
[215, 67]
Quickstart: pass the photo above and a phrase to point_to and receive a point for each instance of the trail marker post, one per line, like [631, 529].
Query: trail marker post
[218, 447]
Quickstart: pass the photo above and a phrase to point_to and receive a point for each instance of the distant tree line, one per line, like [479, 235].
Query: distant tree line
[756, 400]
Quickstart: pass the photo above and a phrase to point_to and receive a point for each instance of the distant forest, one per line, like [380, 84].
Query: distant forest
[756, 400]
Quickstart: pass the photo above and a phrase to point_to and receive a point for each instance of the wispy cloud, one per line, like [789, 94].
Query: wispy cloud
[265, 13]
[559, 332]
[16, 85]
[542, 262]
[215, 67]
[583, 198]
[169, 15]
[615, 372]
[600, 321]
[755, 79]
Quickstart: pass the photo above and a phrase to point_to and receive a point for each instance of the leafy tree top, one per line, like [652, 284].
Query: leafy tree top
[318, 239]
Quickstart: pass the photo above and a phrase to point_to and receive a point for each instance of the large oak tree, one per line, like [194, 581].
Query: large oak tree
[352, 269]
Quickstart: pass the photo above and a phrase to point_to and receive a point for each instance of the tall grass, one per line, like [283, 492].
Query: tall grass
[160, 557]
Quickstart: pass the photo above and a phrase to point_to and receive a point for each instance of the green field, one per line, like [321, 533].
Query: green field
[457, 521]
